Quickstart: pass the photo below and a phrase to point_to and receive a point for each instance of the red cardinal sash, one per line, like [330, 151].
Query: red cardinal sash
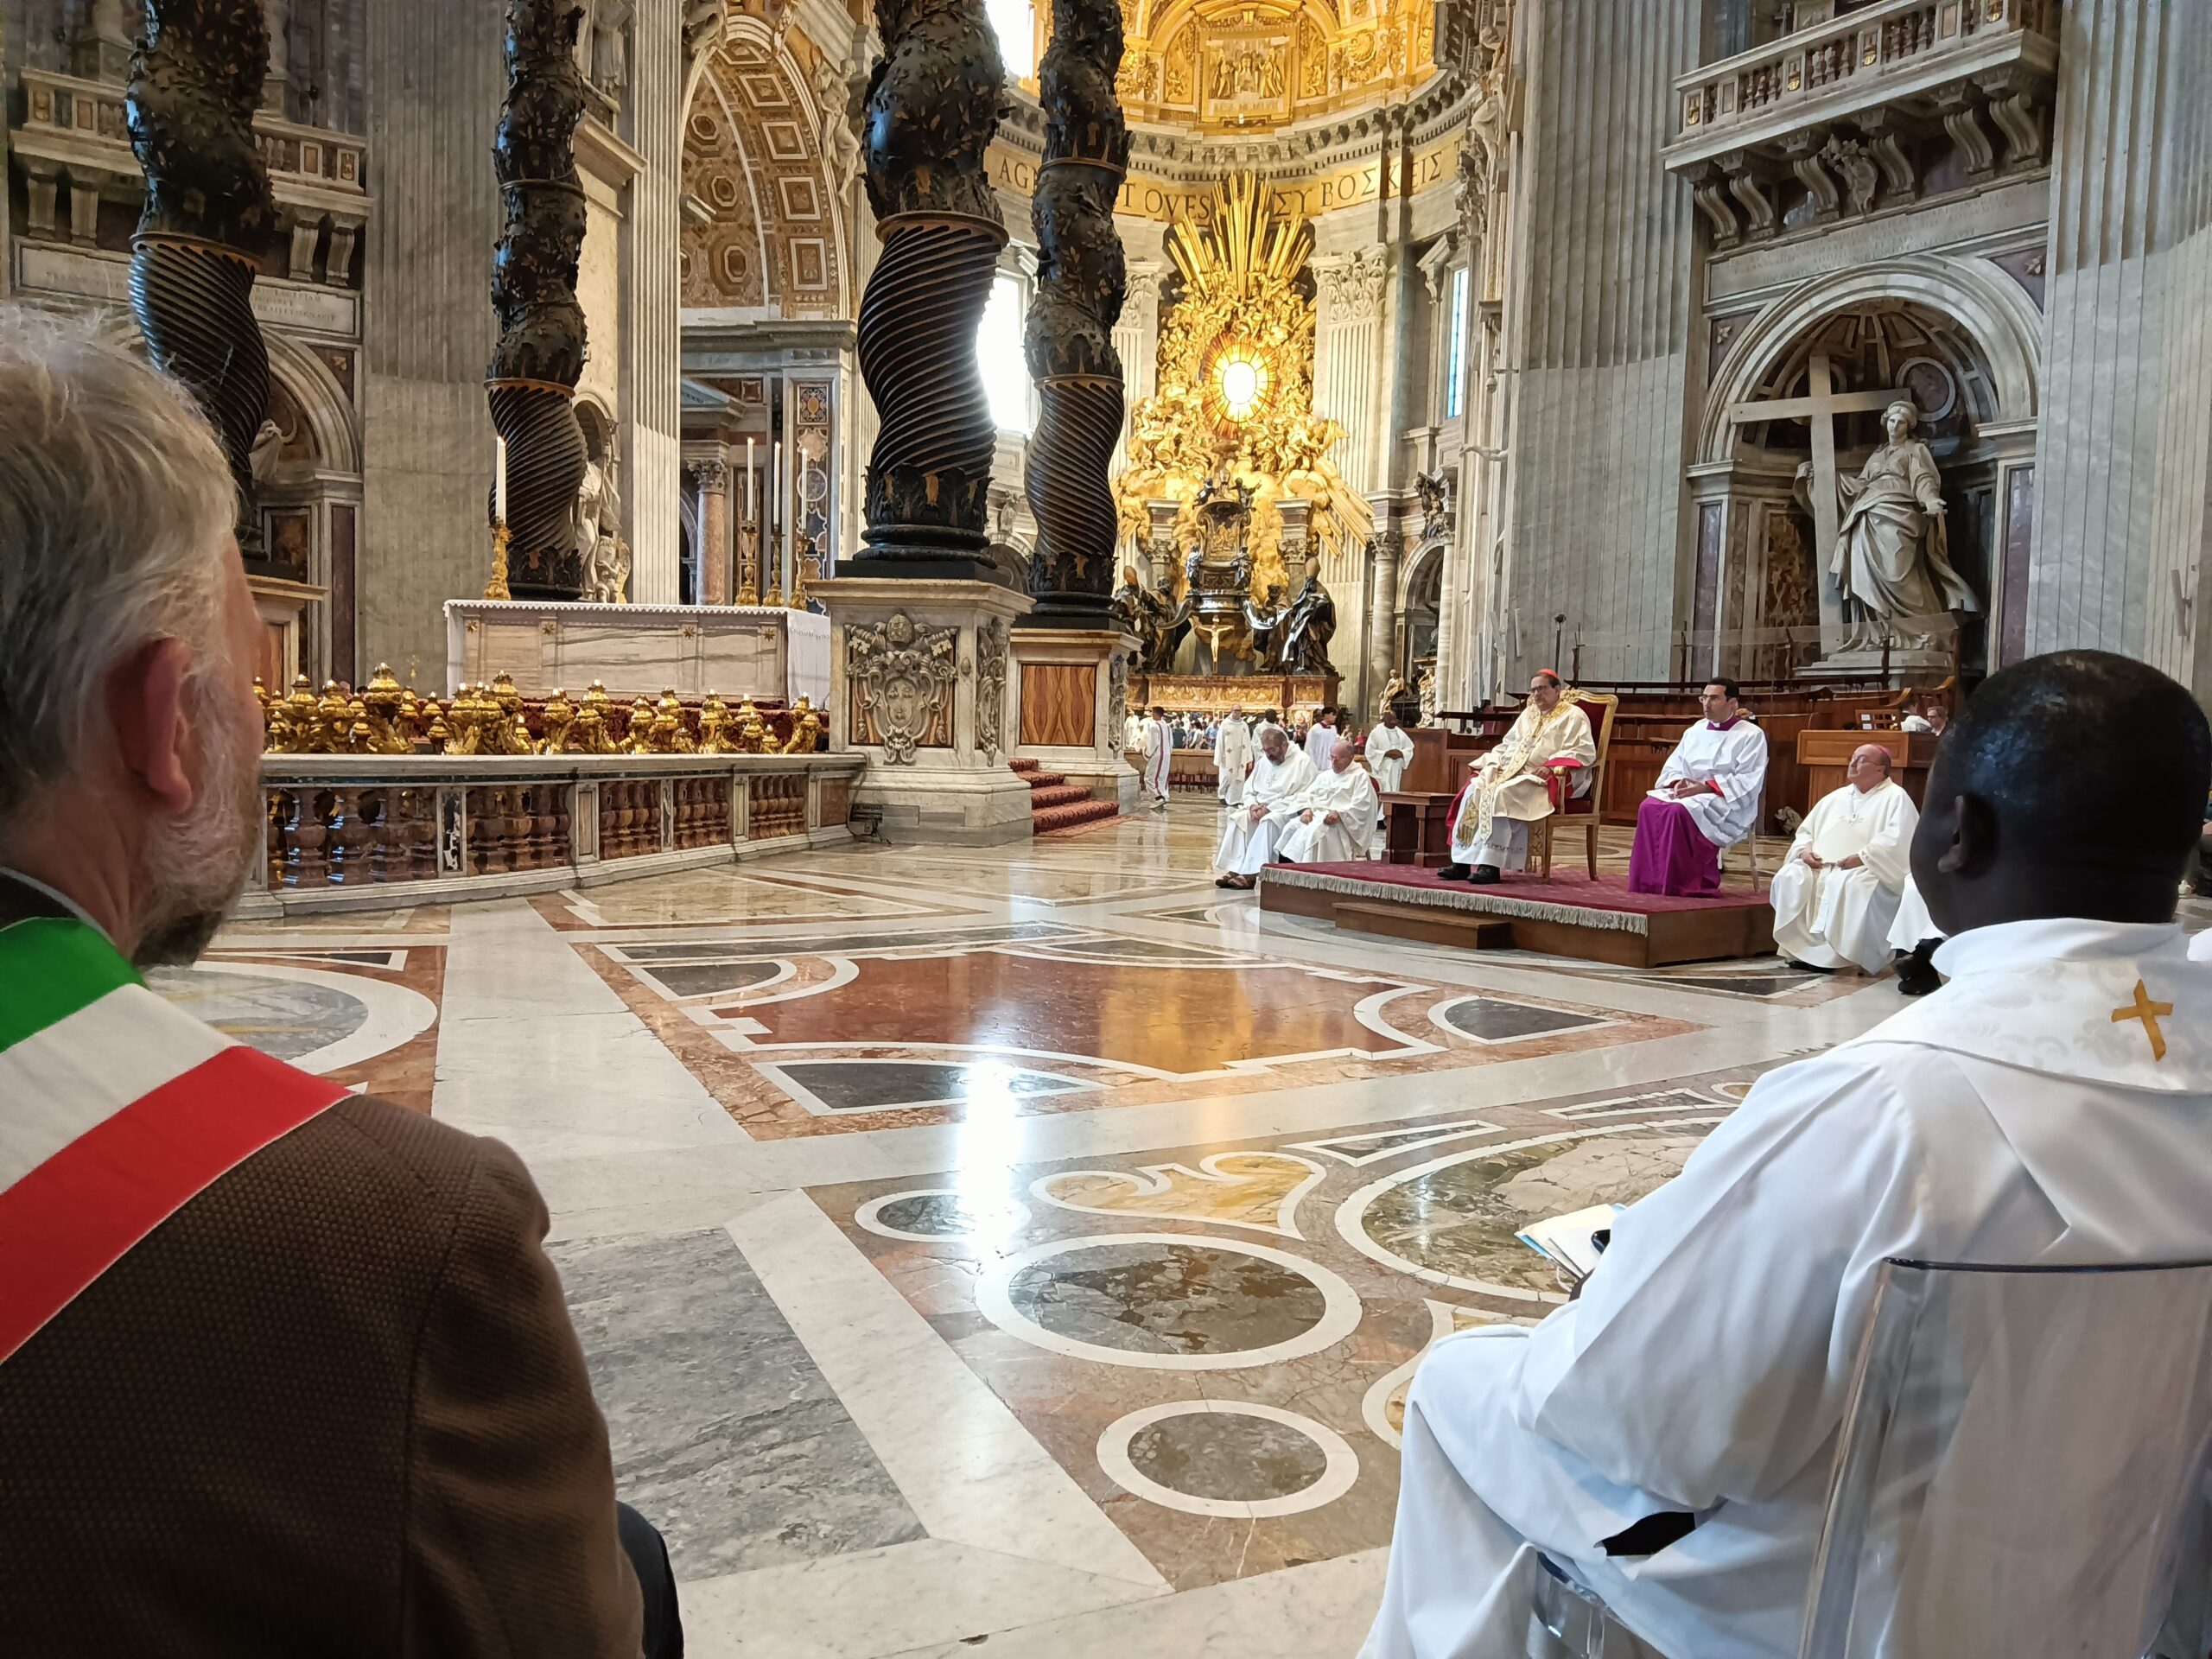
[115, 1110]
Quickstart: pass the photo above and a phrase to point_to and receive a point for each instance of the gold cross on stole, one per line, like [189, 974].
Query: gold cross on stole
[2144, 1009]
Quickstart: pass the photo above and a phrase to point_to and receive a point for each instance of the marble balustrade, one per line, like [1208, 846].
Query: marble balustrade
[348, 832]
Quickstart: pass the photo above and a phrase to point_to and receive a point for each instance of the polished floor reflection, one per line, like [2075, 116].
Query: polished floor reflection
[1022, 1250]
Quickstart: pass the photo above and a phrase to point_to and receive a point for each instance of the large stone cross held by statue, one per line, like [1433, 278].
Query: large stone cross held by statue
[1823, 403]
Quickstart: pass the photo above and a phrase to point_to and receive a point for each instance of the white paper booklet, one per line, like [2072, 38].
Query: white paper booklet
[1567, 1239]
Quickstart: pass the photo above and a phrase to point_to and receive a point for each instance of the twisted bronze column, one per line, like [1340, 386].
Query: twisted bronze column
[532, 381]
[1081, 282]
[932, 106]
[195, 81]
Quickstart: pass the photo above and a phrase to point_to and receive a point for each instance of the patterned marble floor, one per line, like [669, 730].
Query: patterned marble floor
[1023, 1250]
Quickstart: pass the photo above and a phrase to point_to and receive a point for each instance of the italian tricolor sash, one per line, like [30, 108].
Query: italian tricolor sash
[115, 1110]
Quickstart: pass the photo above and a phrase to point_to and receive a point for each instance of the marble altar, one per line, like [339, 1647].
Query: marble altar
[740, 650]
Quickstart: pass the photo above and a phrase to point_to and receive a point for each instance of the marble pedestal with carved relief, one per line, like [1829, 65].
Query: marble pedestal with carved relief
[919, 670]
[1071, 692]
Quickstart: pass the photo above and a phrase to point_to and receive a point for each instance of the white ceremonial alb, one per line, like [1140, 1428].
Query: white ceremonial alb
[1735, 759]
[1318, 741]
[1390, 751]
[1351, 795]
[1276, 786]
[1830, 917]
[1232, 752]
[1159, 750]
[2052, 1104]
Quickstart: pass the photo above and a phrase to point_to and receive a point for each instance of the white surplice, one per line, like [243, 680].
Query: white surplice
[1912, 923]
[1232, 752]
[1158, 749]
[2006, 1118]
[1319, 739]
[1276, 786]
[1734, 758]
[1830, 917]
[1351, 795]
[1390, 751]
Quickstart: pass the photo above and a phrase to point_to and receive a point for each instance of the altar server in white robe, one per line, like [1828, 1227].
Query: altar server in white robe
[1390, 751]
[1133, 731]
[1158, 750]
[1707, 799]
[1837, 891]
[1336, 816]
[1273, 791]
[1320, 738]
[2052, 1104]
[1232, 755]
[1509, 789]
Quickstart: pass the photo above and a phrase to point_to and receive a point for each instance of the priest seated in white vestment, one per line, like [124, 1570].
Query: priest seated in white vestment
[1665, 1439]
[1549, 747]
[1707, 799]
[1336, 816]
[1273, 792]
[1836, 893]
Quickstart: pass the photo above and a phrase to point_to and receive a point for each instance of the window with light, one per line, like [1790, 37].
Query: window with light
[1014, 24]
[1455, 351]
[998, 355]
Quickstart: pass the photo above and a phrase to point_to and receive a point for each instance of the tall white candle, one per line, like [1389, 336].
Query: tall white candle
[751, 495]
[500, 485]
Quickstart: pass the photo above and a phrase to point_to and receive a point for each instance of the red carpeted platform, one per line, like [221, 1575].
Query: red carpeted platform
[1569, 915]
[1056, 803]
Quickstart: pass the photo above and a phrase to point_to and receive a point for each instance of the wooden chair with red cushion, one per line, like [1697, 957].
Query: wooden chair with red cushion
[1582, 809]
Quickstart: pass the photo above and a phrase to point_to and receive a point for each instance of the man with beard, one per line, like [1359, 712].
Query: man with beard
[282, 1368]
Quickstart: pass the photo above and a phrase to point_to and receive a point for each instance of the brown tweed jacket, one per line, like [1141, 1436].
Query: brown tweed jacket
[333, 1407]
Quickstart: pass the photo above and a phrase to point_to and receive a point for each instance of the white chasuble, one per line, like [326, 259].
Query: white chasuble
[1350, 794]
[1232, 752]
[2052, 1104]
[1732, 757]
[1390, 751]
[1273, 791]
[1829, 917]
[1510, 783]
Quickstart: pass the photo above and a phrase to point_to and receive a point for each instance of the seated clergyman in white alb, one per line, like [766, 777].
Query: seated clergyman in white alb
[1273, 792]
[1513, 786]
[1836, 893]
[1707, 799]
[1665, 1439]
[1336, 816]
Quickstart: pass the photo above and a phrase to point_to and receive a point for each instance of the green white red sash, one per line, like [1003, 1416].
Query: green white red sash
[115, 1110]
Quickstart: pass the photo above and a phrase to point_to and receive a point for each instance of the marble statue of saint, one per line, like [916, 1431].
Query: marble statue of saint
[607, 563]
[278, 15]
[704, 23]
[268, 448]
[590, 497]
[1891, 558]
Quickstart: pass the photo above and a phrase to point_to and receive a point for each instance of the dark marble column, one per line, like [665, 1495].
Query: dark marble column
[532, 380]
[932, 106]
[195, 81]
[1081, 282]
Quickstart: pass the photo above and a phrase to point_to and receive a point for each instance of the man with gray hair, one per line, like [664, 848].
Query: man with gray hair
[282, 1368]
[1837, 892]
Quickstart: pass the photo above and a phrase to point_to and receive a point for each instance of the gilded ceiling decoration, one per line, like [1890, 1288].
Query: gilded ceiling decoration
[1236, 398]
[752, 157]
[1239, 65]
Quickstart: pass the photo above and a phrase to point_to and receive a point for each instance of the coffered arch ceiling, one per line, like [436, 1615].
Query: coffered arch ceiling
[772, 231]
[1231, 65]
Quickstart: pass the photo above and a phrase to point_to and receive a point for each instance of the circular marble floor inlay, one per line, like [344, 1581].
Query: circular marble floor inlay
[943, 1214]
[1220, 1458]
[1169, 1302]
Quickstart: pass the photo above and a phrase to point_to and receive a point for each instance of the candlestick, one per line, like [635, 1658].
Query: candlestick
[500, 485]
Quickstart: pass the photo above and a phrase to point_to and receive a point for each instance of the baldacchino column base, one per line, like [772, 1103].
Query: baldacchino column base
[918, 677]
[1071, 694]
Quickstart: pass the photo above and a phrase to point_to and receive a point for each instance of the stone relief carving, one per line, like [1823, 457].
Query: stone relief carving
[901, 672]
[1117, 699]
[704, 23]
[990, 687]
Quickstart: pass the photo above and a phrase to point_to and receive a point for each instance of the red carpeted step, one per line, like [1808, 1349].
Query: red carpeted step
[1023, 765]
[1060, 795]
[1046, 779]
[1072, 816]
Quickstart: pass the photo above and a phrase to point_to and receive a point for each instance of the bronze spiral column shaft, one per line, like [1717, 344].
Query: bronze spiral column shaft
[1081, 283]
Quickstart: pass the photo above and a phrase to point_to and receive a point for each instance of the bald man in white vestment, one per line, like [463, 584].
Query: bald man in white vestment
[1272, 794]
[1666, 1439]
[1837, 891]
[1336, 816]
